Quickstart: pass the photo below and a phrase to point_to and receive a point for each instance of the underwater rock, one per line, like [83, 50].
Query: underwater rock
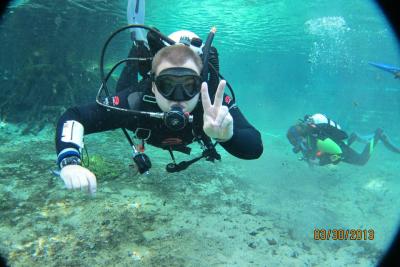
[271, 241]
[252, 245]
[254, 233]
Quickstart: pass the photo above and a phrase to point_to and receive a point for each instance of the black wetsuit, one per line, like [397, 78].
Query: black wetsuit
[245, 143]
[348, 155]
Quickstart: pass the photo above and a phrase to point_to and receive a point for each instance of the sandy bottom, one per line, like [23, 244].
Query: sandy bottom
[232, 213]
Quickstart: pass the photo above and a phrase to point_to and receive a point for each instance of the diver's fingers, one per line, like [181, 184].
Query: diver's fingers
[227, 123]
[223, 111]
[219, 95]
[78, 177]
[76, 181]
[67, 181]
[92, 182]
[84, 182]
[208, 121]
[65, 175]
[205, 97]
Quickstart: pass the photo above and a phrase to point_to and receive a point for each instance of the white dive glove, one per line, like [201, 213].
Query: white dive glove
[218, 122]
[72, 173]
[78, 177]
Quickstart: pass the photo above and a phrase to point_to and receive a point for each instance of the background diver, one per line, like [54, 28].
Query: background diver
[172, 88]
[322, 141]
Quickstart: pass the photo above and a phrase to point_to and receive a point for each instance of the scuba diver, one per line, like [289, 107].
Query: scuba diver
[163, 109]
[322, 141]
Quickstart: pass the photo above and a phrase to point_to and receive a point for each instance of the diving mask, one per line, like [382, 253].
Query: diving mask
[177, 83]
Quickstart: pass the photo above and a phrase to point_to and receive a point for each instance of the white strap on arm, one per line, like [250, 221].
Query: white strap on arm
[73, 133]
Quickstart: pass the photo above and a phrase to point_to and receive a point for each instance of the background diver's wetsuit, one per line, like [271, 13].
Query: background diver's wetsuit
[328, 143]
[245, 143]
[348, 154]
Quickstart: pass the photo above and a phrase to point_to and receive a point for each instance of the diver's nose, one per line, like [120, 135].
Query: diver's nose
[178, 94]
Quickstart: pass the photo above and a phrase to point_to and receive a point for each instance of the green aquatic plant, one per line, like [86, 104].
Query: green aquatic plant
[101, 167]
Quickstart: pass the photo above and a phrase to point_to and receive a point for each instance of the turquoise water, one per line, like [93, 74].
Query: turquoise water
[284, 59]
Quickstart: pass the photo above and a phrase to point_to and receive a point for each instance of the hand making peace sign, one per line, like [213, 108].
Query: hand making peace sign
[218, 122]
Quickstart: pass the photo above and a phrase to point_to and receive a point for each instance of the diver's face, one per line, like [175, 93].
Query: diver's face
[165, 104]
